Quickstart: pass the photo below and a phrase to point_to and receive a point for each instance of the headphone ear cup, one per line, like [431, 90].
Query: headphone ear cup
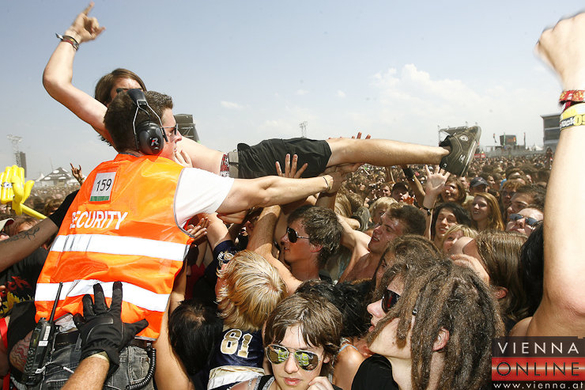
[151, 137]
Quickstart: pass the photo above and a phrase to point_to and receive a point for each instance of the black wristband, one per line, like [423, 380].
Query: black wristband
[59, 214]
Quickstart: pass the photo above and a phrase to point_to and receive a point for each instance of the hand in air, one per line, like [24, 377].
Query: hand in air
[435, 181]
[290, 170]
[85, 28]
[562, 48]
[76, 172]
[359, 136]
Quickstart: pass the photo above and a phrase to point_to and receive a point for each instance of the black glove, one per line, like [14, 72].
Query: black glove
[102, 328]
[59, 214]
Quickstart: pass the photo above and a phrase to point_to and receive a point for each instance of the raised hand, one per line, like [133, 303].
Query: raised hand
[435, 181]
[359, 136]
[85, 28]
[290, 170]
[76, 172]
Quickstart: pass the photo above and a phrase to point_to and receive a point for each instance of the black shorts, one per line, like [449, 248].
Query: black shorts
[260, 160]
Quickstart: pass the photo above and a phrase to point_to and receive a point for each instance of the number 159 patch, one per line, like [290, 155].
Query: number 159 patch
[102, 187]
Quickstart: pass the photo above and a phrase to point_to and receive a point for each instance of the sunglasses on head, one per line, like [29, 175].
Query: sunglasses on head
[532, 222]
[279, 354]
[118, 90]
[292, 235]
[389, 300]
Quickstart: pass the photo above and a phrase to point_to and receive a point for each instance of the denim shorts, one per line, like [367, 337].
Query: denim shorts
[64, 359]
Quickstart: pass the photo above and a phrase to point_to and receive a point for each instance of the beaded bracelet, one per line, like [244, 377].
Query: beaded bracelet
[69, 39]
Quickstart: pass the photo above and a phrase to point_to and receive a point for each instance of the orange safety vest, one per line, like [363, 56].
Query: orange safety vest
[120, 227]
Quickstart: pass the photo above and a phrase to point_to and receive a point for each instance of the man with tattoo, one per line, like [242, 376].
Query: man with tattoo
[21, 260]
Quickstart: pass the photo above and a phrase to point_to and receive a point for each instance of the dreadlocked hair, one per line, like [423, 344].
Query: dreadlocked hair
[445, 296]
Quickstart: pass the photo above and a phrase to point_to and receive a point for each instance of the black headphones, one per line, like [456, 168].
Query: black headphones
[150, 137]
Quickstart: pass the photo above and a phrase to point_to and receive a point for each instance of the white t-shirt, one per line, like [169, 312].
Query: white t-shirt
[199, 191]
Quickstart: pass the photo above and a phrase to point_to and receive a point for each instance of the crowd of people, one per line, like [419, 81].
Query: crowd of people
[292, 264]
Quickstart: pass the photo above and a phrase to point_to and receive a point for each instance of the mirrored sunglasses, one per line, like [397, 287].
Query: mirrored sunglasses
[305, 359]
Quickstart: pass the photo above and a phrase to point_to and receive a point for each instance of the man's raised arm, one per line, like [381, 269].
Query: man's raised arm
[562, 309]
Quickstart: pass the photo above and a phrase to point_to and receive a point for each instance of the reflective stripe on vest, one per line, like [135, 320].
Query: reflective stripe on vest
[120, 246]
[78, 288]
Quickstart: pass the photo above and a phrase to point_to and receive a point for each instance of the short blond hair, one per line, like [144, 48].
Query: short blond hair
[466, 230]
[252, 288]
[383, 202]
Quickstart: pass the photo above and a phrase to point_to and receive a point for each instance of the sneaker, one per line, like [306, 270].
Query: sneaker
[463, 142]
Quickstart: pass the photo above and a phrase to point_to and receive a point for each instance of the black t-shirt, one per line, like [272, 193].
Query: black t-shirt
[374, 373]
[21, 280]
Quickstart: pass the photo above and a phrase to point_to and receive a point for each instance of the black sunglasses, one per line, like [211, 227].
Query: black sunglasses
[306, 360]
[532, 222]
[292, 235]
[389, 300]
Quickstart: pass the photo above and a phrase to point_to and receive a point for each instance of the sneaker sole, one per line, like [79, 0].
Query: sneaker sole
[471, 151]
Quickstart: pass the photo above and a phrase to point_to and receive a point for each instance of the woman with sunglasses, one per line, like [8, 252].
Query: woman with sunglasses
[427, 321]
[302, 336]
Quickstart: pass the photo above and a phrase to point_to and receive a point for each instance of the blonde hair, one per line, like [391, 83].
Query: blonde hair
[251, 289]
[495, 220]
[466, 230]
[383, 202]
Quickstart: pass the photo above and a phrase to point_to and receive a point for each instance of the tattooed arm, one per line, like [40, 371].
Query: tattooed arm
[17, 247]
[18, 353]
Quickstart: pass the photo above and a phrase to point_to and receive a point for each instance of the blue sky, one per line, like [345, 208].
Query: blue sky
[251, 70]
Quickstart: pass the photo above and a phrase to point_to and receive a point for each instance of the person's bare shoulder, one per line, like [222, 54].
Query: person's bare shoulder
[521, 328]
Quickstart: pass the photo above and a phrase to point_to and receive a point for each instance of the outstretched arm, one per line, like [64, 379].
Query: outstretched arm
[17, 247]
[272, 190]
[562, 309]
[58, 74]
